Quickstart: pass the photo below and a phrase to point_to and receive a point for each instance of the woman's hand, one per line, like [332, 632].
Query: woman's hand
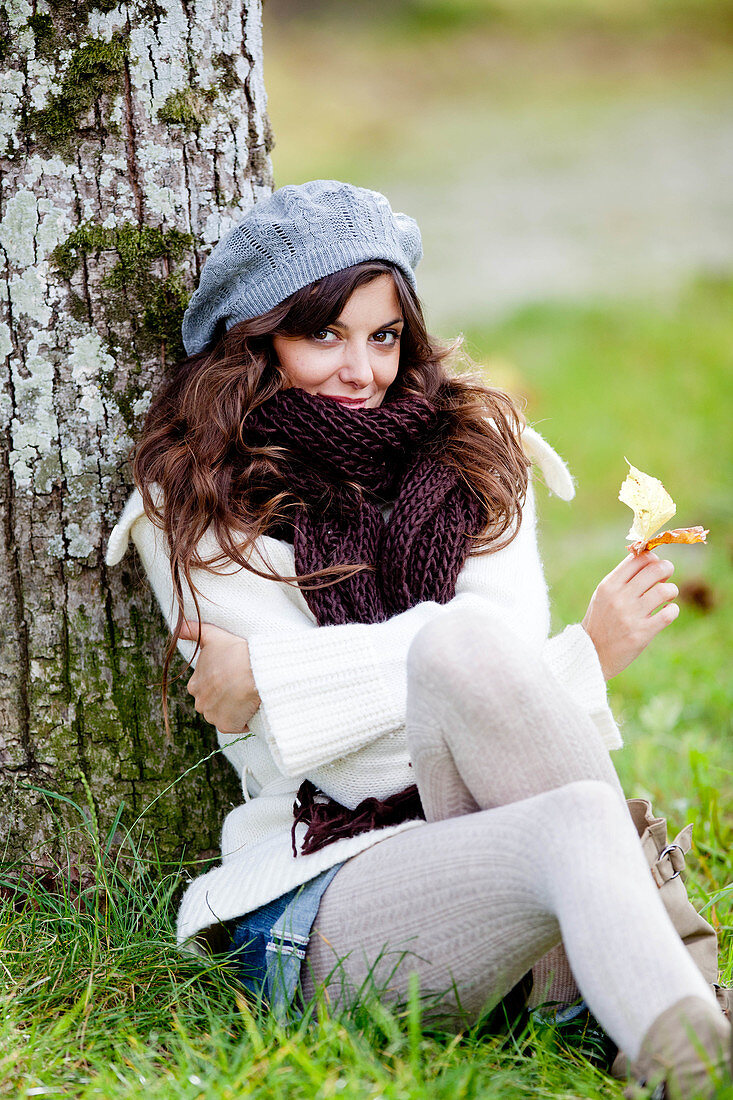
[620, 619]
[222, 684]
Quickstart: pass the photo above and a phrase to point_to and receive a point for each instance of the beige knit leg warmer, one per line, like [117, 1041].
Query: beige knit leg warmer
[464, 670]
[488, 724]
[470, 902]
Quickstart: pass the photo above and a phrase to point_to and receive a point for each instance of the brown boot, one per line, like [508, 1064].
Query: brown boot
[688, 1047]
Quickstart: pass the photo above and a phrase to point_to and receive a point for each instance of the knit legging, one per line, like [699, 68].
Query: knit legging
[527, 841]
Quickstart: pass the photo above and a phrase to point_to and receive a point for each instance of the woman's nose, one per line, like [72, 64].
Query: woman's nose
[356, 368]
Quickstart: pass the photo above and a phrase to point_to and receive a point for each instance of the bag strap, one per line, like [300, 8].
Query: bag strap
[671, 860]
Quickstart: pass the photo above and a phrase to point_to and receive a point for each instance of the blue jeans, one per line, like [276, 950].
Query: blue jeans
[269, 944]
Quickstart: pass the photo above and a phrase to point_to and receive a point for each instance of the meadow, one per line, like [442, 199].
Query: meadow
[95, 999]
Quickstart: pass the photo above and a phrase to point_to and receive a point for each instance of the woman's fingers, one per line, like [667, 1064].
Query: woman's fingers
[631, 566]
[658, 595]
[222, 683]
[192, 684]
[189, 631]
[628, 608]
[663, 618]
[655, 572]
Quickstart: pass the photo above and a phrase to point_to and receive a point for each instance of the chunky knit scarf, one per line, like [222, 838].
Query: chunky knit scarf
[347, 465]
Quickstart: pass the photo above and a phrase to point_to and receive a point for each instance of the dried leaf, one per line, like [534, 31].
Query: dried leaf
[679, 535]
[652, 506]
[650, 502]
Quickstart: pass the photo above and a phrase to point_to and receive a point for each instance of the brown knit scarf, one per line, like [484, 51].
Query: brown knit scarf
[348, 464]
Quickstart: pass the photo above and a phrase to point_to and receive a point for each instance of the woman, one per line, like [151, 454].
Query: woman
[344, 536]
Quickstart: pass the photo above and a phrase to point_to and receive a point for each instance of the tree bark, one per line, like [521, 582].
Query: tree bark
[135, 135]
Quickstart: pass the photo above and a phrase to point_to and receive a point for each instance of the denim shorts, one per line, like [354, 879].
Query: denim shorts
[268, 945]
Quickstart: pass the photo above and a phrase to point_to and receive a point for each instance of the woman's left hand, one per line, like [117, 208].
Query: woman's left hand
[628, 608]
[222, 685]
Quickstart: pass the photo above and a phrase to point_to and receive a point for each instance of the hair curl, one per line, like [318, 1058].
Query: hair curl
[192, 446]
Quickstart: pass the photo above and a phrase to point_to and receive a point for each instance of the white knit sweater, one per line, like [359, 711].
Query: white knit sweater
[333, 697]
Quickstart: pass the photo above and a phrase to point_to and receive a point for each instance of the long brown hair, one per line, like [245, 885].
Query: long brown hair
[192, 445]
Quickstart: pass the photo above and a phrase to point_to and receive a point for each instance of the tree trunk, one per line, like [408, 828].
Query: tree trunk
[136, 134]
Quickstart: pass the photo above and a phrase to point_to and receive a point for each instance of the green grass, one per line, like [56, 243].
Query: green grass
[96, 1000]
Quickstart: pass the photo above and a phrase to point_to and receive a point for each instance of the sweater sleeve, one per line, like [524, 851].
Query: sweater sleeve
[329, 691]
[573, 660]
[325, 691]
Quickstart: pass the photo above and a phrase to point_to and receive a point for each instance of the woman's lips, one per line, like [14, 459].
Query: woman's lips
[355, 402]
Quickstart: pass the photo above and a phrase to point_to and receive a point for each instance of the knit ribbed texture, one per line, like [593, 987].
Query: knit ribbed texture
[471, 903]
[543, 848]
[346, 462]
[333, 698]
[331, 692]
[293, 238]
[461, 671]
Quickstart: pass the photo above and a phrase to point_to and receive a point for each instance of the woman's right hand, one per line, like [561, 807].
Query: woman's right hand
[223, 686]
[620, 618]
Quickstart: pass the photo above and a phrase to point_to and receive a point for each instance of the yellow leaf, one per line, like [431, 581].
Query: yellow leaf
[650, 502]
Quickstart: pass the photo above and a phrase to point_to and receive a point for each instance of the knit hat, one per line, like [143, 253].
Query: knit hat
[294, 237]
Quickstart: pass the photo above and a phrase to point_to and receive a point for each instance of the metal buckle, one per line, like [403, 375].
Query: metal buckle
[665, 852]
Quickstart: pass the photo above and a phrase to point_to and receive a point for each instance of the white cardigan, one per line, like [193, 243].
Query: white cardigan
[333, 697]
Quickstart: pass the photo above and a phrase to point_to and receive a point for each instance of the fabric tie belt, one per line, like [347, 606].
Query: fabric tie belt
[328, 821]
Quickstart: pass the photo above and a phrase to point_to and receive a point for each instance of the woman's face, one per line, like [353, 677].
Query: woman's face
[356, 358]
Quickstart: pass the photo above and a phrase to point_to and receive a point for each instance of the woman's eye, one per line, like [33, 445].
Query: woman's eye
[386, 337]
[324, 336]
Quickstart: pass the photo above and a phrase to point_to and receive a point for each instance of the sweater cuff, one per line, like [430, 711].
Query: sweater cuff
[328, 691]
[573, 660]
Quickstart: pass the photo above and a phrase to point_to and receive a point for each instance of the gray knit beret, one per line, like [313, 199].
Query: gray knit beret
[294, 237]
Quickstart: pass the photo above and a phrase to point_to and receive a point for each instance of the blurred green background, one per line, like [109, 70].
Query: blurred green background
[570, 163]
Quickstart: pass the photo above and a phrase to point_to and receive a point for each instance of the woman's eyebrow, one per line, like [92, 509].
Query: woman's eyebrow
[387, 324]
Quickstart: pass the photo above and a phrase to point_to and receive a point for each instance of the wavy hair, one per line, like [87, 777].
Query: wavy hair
[192, 446]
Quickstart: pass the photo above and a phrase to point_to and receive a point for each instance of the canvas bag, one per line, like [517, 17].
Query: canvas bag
[553, 981]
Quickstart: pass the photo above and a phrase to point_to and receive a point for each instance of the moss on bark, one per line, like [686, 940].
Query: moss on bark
[146, 277]
[99, 731]
[44, 31]
[95, 71]
[190, 107]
